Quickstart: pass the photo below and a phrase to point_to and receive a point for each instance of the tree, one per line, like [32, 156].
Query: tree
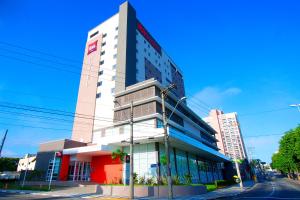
[8, 164]
[287, 159]
[118, 154]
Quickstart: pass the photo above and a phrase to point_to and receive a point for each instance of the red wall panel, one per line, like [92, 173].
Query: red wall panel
[105, 170]
[64, 168]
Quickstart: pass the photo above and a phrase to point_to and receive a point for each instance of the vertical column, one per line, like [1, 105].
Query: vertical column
[126, 58]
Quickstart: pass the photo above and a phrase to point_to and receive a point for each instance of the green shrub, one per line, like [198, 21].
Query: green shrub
[176, 180]
[210, 187]
[150, 181]
[224, 183]
[135, 178]
[188, 179]
[141, 180]
[164, 180]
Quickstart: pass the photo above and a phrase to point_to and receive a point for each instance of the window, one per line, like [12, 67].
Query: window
[115, 46]
[99, 83]
[101, 72]
[102, 53]
[98, 95]
[117, 28]
[104, 35]
[101, 62]
[114, 66]
[94, 34]
[113, 78]
[103, 44]
[116, 36]
[112, 90]
[115, 56]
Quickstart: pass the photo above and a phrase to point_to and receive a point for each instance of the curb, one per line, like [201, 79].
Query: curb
[86, 196]
[232, 195]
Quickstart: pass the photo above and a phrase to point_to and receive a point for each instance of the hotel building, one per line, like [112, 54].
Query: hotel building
[123, 63]
[229, 136]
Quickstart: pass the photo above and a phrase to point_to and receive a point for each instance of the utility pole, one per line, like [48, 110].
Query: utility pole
[238, 171]
[236, 163]
[164, 93]
[131, 182]
[25, 174]
[3, 140]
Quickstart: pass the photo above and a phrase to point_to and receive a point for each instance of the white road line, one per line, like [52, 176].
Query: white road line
[273, 189]
[268, 198]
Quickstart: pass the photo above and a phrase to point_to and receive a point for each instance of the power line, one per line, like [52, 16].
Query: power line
[265, 111]
[267, 135]
[194, 99]
[80, 63]
[61, 113]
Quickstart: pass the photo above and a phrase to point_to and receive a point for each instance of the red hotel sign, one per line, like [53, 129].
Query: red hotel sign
[92, 47]
[148, 37]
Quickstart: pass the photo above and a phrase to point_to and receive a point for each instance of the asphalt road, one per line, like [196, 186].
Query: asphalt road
[275, 188]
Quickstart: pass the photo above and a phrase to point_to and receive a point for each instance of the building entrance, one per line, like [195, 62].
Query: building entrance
[79, 171]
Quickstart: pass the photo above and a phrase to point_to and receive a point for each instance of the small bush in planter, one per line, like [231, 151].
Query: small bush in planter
[141, 180]
[188, 179]
[176, 180]
[135, 178]
[150, 181]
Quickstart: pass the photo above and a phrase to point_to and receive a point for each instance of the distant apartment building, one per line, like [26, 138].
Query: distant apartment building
[123, 63]
[229, 136]
[27, 163]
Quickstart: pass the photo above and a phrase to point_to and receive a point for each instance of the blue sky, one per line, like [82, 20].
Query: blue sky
[240, 56]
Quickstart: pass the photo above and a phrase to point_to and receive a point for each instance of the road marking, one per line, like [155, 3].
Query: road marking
[273, 188]
[268, 198]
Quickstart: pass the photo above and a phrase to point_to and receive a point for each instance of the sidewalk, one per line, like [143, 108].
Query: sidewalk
[225, 192]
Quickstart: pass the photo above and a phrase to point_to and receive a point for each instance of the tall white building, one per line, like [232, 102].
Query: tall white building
[123, 63]
[230, 139]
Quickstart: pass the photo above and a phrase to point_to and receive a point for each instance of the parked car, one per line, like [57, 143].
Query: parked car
[8, 175]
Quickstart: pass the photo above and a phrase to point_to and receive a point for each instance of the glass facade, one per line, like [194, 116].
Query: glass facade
[79, 171]
[55, 170]
[200, 171]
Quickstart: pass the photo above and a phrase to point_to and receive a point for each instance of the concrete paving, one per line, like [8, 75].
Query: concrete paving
[69, 194]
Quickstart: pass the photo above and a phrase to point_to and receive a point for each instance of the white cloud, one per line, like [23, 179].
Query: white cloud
[8, 153]
[213, 97]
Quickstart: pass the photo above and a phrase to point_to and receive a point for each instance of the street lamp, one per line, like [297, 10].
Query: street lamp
[296, 105]
[164, 93]
[178, 102]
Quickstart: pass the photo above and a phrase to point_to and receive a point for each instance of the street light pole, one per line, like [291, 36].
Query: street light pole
[51, 176]
[25, 174]
[166, 139]
[131, 182]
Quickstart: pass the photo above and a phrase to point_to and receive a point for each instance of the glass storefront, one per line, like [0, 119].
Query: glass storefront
[79, 171]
